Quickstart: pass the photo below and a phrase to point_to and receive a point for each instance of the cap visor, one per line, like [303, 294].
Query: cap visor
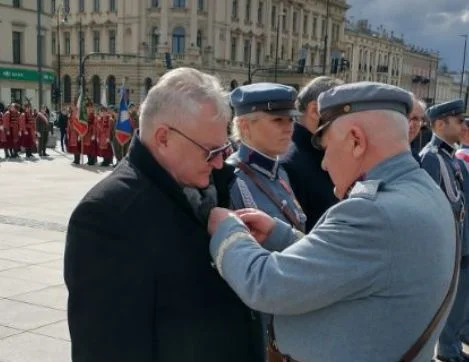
[286, 112]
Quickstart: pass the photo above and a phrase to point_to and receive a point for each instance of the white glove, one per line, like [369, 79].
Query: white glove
[93, 138]
[19, 133]
[108, 140]
[38, 134]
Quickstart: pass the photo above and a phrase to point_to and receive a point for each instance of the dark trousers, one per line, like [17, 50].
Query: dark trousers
[42, 144]
[63, 133]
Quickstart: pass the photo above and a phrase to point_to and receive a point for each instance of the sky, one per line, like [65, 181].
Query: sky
[430, 24]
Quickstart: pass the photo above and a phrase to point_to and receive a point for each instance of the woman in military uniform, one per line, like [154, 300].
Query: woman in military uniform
[263, 126]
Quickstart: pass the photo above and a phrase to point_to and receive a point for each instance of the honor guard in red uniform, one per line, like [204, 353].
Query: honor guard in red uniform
[11, 122]
[89, 140]
[104, 128]
[27, 124]
[3, 136]
[73, 138]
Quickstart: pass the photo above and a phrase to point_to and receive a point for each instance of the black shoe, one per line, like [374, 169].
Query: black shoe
[45, 154]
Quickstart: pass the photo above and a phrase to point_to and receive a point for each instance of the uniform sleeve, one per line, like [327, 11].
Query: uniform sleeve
[429, 162]
[110, 305]
[343, 258]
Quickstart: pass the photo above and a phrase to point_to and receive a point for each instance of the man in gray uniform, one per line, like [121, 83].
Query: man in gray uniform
[438, 159]
[365, 283]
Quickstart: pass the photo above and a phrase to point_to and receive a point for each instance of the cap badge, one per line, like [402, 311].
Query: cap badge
[347, 108]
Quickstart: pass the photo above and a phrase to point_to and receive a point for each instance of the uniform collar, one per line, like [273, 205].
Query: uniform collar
[258, 161]
[442, 145]
[392, 168]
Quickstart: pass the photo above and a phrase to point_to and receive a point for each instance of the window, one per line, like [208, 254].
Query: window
[81, 6]
[274, 17]
[96, 40]
[260, 13]
[258, 53]
[16, 47]
[235, 9]
[284, 22]
[17, 95]
[234, 44]
[200, 5]
[16, 3]
[154, 3]
[112, 43]
[323, 28]
[66, 5]
[295, 22]
[67, 43]
[247, 51]
[282, 52]
[179, 40]
[248, 10]
[315, 26]
[179, 3]
[81, 42]
[42, 48]
[52, 6]
[155, 41]
[54, 44]
[112, 6]
[199, 39]
[67, 84]
[305, 24]
[96, 86]
[96, 6]
[111, 90]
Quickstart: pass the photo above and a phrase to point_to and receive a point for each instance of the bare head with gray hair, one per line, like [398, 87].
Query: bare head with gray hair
[183, 123]
[306, 101]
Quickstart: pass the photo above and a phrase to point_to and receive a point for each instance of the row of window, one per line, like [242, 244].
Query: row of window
[18, 47]
[178, 4]
[112, 5]
[81, 42]
[96, 89]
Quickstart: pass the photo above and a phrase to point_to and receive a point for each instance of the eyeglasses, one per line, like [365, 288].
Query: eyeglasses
[210, 154]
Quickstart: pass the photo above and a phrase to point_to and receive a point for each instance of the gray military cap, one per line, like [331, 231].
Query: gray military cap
[359, 97]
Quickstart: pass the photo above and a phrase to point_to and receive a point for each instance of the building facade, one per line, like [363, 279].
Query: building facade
[375, 56]
[19, 58]
[238, 40]
[419, 74]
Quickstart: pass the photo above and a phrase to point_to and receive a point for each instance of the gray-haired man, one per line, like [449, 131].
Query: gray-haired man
[311, 185]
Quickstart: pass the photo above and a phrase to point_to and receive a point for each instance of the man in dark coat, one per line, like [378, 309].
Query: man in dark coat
[137, 267]
[311, 185]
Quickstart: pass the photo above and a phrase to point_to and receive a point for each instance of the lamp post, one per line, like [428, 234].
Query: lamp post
[39, 52]
[80, 56]
[276, 48]
[60, 20]
[463, 64]
[326, 35]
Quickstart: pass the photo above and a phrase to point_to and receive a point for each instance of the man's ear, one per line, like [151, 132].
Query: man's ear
[160, 136]
[312, 109]
[359, 140]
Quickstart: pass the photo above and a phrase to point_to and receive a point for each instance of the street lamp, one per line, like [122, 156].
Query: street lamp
[276, 46]
[60, 20]
[326, 35]
[463, 64]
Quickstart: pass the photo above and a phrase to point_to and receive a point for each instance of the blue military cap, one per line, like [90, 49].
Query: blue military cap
[451, 108]
[358, 97]
[272, 98]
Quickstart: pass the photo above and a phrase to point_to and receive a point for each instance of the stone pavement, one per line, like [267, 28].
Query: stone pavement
[36, 199]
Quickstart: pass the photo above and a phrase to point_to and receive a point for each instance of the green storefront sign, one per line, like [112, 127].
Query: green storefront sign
[26, 75]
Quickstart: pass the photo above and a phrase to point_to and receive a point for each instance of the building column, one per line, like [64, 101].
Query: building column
[193, 23]
[211, 14]
[164, 23]
[301, 28]
[240, 49]
[227, 44]
[290, 35]
[268, 27]
[253, 50]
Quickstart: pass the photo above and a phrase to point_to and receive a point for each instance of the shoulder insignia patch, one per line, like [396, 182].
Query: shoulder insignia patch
[366, 189]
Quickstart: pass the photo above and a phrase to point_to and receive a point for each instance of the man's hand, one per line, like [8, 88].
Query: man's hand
[217, 216]
[259, 223]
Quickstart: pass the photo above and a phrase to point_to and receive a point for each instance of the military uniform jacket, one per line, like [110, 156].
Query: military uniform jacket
[364, 283]
[141, 285]
[245, 193]
[438, 159]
